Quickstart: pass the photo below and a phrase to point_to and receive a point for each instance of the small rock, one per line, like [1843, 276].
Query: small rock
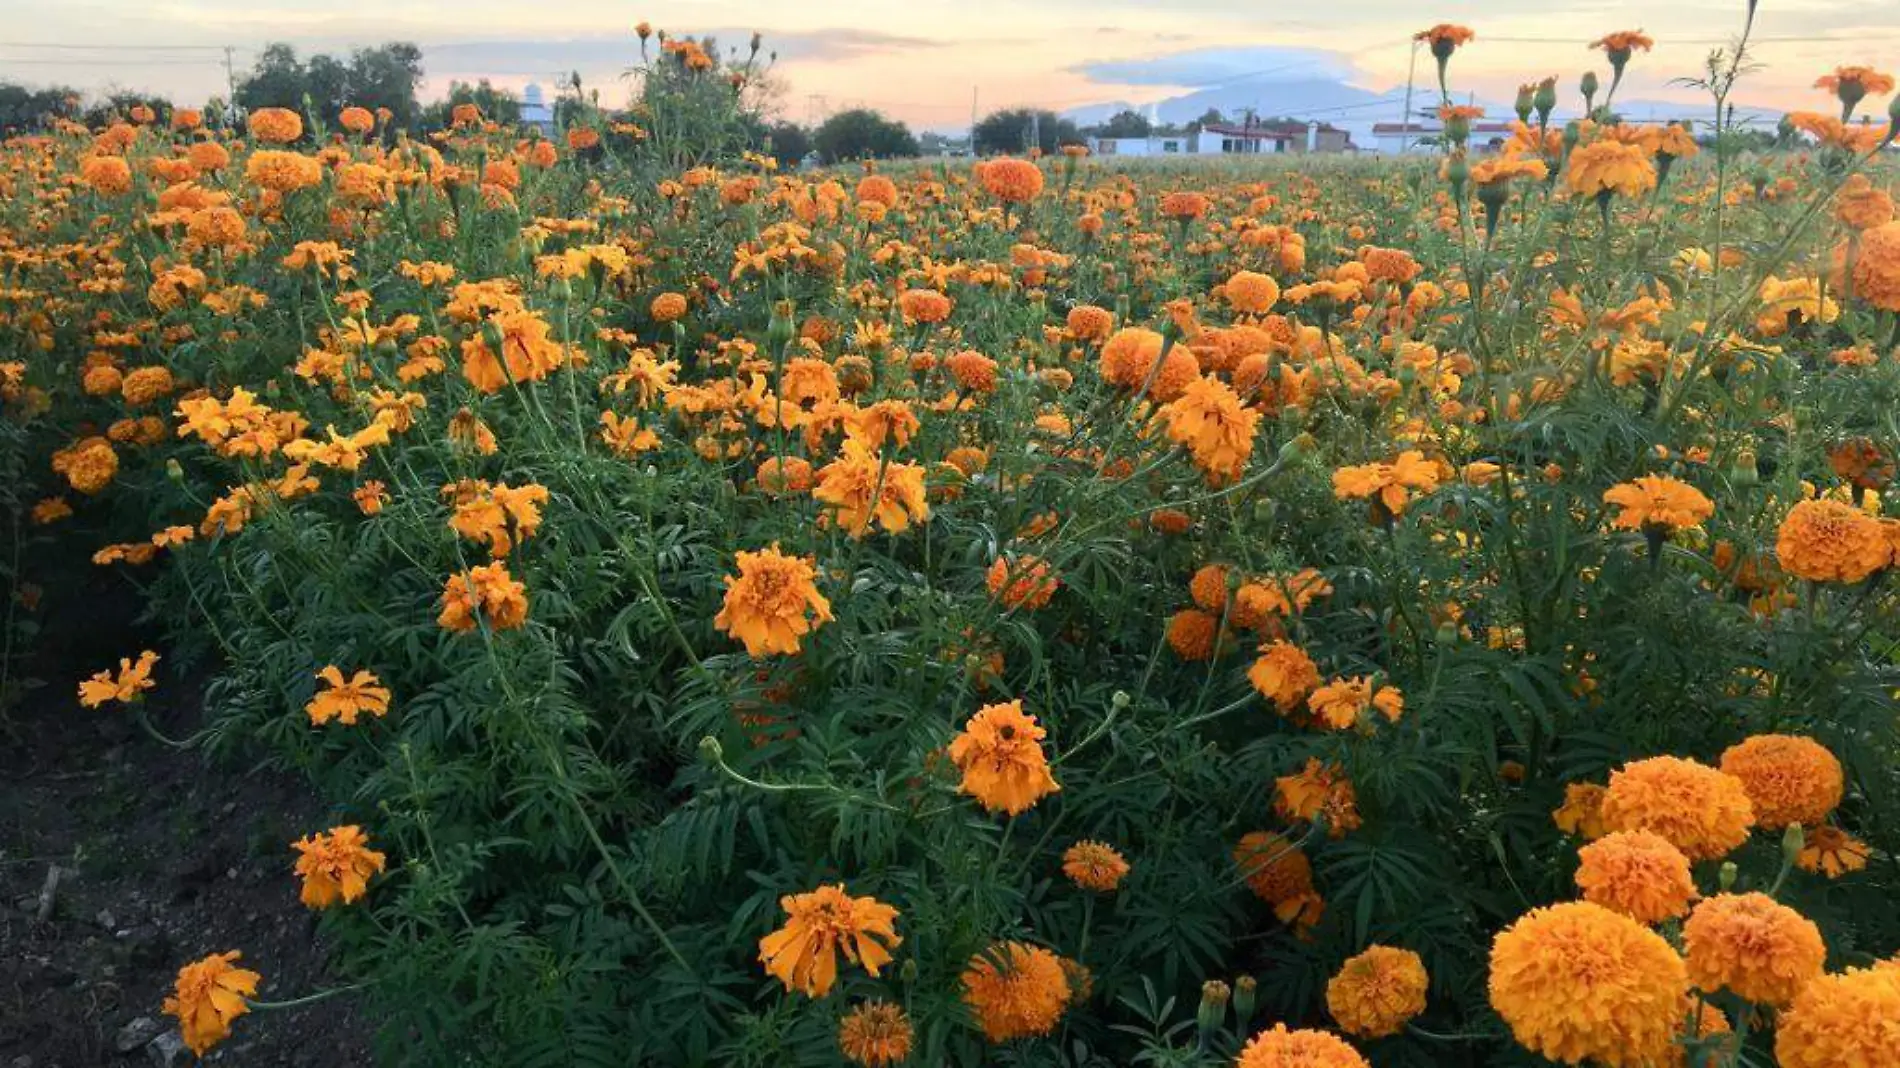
[106, 920]
[164, 1050]
[135, 1033]
[22, 1061]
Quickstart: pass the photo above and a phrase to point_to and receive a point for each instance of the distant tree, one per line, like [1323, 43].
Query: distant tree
[31, 109]
[862, 134]
[383, 77]
[496, 104]
[1020, 129]
[1210, 117]
[789, 143]
[1125, 124]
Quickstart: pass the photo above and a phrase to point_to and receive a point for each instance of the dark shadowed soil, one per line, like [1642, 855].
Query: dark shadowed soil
[162, 857]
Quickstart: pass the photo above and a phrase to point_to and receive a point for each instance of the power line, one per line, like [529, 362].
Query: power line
[48, 45]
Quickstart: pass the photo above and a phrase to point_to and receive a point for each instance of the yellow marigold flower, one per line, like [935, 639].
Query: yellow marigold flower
[1849, 1020]
[772, 602]
[1378, 992]
[1658, 502]
[1830, 851]
[1281, 1048]
[1577, 982]
[863, 488]
[1752, 945]
[210, 994]
[999, 752]
[1388, 485]
[529, 352]
[1699, 810]
[819, 925]
[1285, 675]
[133, 679]
[344, 701]
[875, 1034]
[1638, 874]
[336, 866]
[1094, 866]
[1016, 990]
[1021, 581]
[1789, 779]
[483, 594]
[1345, 703]
[1830, 541]
[1318, 792]
[1209, 419]
[1603, 168]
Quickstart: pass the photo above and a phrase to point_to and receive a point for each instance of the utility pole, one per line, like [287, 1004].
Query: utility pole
[1405, 119]
[1035, 129]
[230, 86]
[972, 122]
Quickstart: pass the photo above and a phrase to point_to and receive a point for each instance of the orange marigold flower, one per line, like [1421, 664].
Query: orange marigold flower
[1446, 35]
[772, 602]
[923, 306]
[278, 126]
[1279, 873]
[1086, 322]
[667, 307]
[1183, 206]
[356, 120]
[1603, 168]
[1281, 1048]
[1021, 581]
[1094, 866]
[1285, 675]
[1318, 792]
[336, 866]
[1752, 945]
[483, 594]
[210, 994]
[498, 515]
[1577, 982]
[370, 497]
[1016, 990]
[784, 475]
[1388, 485]
[863, 488]
[819, 924]
[1209, 419]
[344, 701]
[107, 175]
[529, 352]
[1623, 42]
[1012, 181]
[133, 679]
[875, 1034]
[1345, 703]
[1699, 810]
[1830, 851]
[1251, 292]
[1658, 502]
[1849, 1020]
[1638, 874]
[1789, 779]
[1193, 634]
[1830, 541]
[89, 466]
[1376, 993]
[999, 752]
[1852, 84]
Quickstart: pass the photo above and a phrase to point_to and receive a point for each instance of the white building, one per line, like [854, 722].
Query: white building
[1230, 139]
[535, 111]
[1397, 137]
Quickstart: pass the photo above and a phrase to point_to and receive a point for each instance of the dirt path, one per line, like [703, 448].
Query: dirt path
[162, 858]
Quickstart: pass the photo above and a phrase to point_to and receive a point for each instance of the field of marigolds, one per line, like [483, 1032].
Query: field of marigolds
[1043, 612]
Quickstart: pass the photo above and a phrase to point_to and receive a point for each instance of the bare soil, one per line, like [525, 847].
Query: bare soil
[163, 857]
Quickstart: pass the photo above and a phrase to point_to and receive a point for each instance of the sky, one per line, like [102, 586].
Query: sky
[923, 61]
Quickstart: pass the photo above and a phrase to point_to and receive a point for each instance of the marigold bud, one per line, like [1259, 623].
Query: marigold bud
[711, 752]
